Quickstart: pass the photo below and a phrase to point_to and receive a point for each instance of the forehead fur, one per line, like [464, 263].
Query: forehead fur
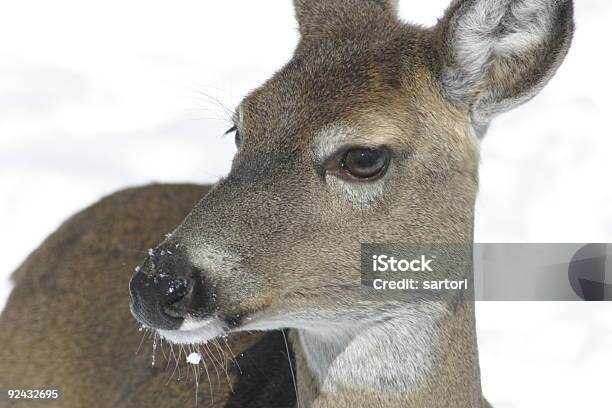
[337, 79]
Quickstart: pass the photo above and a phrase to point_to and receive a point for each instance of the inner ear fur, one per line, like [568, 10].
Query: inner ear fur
[493, 55]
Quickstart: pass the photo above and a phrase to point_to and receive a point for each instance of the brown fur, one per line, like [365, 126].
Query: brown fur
[276, 241]
[67, 323]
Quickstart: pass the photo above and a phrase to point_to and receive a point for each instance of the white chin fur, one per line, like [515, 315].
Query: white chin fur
[194, 331]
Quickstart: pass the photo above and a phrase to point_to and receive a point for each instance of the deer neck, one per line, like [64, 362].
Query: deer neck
[422, 356]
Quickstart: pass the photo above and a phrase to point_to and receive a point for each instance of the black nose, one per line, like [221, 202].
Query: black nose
[152, 297]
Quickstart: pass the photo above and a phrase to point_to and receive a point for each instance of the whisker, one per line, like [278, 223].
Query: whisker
[154, 348]
[181, 349]
[232, 354]
[141, 340]
[197, 384]
[212, 360]
[161, 346]
[224, 365]
[297, 398]
[209, 381]
[173, 371]
[170, 354]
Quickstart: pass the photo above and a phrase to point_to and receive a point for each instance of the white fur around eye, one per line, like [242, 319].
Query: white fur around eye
[361, 195]
[326, 142]
[329, 139]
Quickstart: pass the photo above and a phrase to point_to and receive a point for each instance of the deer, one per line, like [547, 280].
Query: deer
[370, 133]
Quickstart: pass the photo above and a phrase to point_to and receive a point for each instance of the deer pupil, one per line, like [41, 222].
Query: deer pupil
[364, 162]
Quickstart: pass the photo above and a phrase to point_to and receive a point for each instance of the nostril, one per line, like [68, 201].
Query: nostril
[177, 289]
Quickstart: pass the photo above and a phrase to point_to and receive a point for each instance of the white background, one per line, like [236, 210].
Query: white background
[96, 96]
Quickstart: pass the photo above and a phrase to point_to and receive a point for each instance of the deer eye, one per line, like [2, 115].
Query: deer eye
[365, 163]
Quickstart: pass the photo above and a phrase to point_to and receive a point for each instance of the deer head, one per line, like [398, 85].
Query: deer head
[370, 133]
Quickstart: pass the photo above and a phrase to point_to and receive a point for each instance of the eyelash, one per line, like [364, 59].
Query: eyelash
[237, 138]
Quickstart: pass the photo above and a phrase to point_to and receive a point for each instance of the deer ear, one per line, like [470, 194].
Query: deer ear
[338, 18]
[493, 55]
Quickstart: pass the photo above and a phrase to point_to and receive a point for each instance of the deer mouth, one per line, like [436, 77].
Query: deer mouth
[194, 331]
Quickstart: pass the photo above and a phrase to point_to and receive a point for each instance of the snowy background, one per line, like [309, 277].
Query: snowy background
[97, 96]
